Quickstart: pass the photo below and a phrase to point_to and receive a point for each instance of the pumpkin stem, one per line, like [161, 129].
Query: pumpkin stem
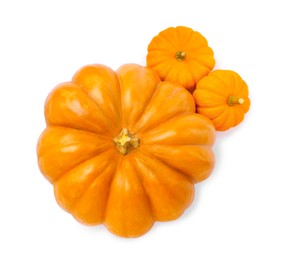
[126, 141]
[180, 55]
[232, 100]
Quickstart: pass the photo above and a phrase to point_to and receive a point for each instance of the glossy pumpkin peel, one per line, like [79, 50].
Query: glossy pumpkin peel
[222, 96]
[123, 148]
[180, 54]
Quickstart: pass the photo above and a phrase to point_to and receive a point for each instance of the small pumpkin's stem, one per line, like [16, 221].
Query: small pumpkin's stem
[180, 55]
[126, 141]
[232, 100]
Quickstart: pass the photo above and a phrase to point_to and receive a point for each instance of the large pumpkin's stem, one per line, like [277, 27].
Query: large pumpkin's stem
[180, 55]
[126, 141]
[232, 100]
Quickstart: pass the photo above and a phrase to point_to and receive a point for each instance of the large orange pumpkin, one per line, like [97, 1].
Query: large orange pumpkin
[123, 148]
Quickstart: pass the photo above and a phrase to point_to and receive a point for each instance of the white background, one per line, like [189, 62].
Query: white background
[240, 212]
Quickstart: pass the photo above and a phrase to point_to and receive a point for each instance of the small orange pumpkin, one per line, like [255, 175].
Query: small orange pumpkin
[123, 148]
[222, 96]
[181, 55]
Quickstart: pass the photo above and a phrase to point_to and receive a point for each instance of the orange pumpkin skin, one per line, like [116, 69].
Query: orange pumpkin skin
[80, 151]
[222, 96]
[180, 55]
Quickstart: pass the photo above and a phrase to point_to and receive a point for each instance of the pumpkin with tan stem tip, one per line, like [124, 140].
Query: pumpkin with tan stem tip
[222, 96]
[180, 55]
[123, 148]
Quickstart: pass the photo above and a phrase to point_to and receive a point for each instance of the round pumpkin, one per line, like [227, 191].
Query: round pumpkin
[123, 148]
[180, 55]
[222, 96]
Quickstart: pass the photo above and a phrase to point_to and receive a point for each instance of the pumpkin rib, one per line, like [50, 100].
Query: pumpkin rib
[121, 210]
[173, 74]
[77, 128]
[228, 123]
[200, 50]
[163, 72]
[169, 70]
[235, 117]
[243, 90]
[146, 105]
[159, 110]
[200, 70]
[112, 170]
[89, 209]
[92, 155]
[226, 84]
[189, 77]
[79, 164]
[161, 57]
[176, 145]
[67, 128]
[221, 81]
[241, 87]
[221, 117]
[204, 95]
[184, 40]
[121, 101]
[160, 42]
[169, 38]
[205, 111]
[212, 84]
[47, 148]
[142, 91]
[197, 153]
[141, 182]
[186, 76]
[175, 117]
[176, 208]
[118, 162]
[104, 79]
[163, 47]
[72, 185]
[53, 181]
[206, 98]
[65, 202]
[146, 153]
[200, 62]
[198, 41]
[187, 177]
[195, 121]
[194, 76]
[239, 115]
[234, 85]
[101, 109]
[52, 101]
